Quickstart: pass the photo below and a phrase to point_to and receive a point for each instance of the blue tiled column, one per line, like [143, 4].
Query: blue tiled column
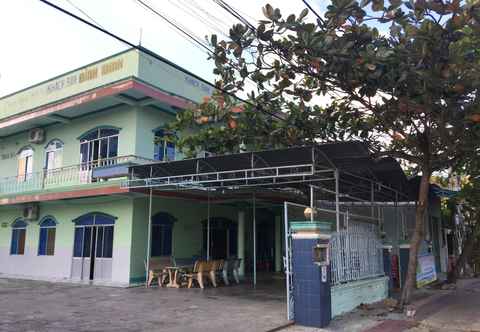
[312, 297]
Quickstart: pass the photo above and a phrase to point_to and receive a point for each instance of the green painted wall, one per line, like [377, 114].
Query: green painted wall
[171, 79]
[187, 231]
[59, 265]
[127, 64]
[348, 296]
[123, 117]
[71, 83]
[148, 119]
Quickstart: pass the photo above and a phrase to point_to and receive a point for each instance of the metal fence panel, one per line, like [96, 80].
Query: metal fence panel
[356, 253]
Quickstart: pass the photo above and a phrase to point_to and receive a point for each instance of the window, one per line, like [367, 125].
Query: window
[19, 229]
[93, 231]
[54, 154]
[98, 144]
[164, 146]
[46, 244]
[25, 164]
[162, 226]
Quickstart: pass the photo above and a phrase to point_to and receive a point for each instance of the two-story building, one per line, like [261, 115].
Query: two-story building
[65, 145]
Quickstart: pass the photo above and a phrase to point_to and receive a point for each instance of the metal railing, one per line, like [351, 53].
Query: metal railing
[63, 176]
[356, 254]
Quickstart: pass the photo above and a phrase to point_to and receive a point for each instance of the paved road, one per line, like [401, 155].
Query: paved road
[457, 310]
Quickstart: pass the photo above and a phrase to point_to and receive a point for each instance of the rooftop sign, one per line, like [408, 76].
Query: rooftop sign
[98, 74]
[128, 64]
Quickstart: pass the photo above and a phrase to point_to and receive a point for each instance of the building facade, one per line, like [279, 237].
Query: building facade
[65, 147]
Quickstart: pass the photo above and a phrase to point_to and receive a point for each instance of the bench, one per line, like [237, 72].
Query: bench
[209, 269]
[156, 269]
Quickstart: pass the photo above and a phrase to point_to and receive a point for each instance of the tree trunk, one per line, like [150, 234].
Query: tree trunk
[422, 205]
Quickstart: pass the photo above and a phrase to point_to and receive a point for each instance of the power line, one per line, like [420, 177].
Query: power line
[166, 19]
[83, 12]
[197, 13]
[181, 30]
[234, 13]
[224, 24]
[313, 11]
[190, 36]
[154, 55]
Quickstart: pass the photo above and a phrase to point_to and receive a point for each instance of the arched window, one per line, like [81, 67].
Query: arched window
[53, 154]
[94, 235]
[46, 243]
[19, 230]
[99, 143]
[162, 227]
[25, 164]
[164, 145]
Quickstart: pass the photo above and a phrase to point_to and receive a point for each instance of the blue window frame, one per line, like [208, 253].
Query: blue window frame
[98, 144]
[162, 229]
[46, 243]
[19, 230]
[164, 147]
[93, 228]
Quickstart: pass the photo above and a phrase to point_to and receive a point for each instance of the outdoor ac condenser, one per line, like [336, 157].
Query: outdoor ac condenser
[31, 212]
[36, 135]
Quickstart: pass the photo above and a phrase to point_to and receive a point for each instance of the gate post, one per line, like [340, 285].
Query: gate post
[311, 273]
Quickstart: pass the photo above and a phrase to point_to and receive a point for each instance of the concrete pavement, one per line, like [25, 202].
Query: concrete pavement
[42, 306]
[457, 310]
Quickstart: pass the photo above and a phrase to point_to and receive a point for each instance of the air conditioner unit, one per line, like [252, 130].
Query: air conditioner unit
[36, 135]
[30, 212]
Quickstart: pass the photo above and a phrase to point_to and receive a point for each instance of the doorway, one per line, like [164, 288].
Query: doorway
[93, 247]
[220, 235]
[265, 230]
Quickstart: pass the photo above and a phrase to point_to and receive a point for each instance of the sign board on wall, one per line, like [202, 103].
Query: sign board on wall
[426, 272]
[84, 79]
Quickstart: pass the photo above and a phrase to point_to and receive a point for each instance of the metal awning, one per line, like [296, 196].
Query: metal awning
[359, 175]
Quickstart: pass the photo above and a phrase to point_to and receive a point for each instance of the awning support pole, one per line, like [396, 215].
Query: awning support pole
[254, 242]
[287, 256]
[372, 198]
[208, 224]
[397, 227]
[311, 203]
[149, 240]
[337, 197]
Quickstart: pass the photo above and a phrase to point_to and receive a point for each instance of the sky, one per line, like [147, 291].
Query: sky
[39, 42]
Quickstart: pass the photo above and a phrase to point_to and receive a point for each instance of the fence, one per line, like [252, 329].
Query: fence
[356, 253]
[63, 176]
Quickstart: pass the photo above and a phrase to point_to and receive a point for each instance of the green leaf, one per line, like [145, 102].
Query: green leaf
[244, 72]
[364, 3]
[268, 11]
[378, 5]
[213, 40]
[303, 14]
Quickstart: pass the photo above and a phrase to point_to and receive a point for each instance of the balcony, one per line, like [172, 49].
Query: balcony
[92, 172]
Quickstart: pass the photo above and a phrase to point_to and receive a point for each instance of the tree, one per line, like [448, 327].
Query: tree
[469, 200]
[402, 76]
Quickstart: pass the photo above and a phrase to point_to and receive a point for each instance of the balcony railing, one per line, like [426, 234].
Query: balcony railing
[102, 169]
